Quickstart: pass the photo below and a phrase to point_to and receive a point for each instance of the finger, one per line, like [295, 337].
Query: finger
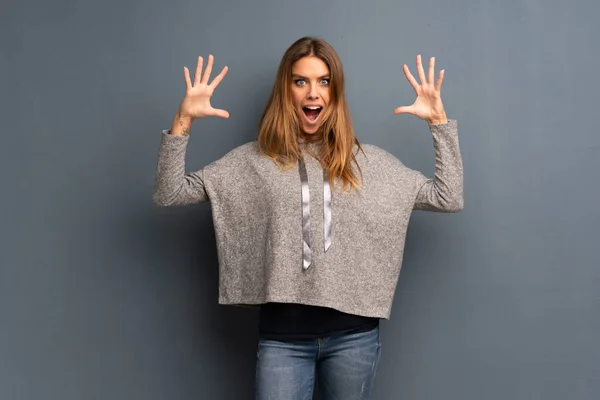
[198, 71]
[186, 76]
[220, 113]
[420, 70]
[431, 70]
[438, 85]
[208, 69]
[219, 77]
[411, 79]
[404, 110]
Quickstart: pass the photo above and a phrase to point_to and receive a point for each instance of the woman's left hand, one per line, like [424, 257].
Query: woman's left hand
[428, 105]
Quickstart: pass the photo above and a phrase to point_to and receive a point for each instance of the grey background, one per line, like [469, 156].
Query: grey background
[105, 296]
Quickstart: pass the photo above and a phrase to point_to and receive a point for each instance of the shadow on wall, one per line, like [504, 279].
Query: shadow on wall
[222, 339]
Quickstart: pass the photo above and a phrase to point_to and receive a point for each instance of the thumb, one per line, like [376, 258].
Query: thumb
[220, 113]
[404, 110]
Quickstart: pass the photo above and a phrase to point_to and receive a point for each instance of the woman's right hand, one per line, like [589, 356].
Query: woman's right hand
[196, 102]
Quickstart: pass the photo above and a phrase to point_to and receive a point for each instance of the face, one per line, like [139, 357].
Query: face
[310, 91]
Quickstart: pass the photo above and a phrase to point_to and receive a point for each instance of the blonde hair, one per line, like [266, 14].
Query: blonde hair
[279, 127]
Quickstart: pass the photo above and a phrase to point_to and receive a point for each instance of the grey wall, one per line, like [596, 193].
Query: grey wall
[105, 296]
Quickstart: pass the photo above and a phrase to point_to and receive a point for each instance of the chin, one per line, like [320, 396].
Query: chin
[310, 130]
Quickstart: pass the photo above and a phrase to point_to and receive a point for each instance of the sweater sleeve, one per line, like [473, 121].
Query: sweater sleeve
[173, 186]
[444, 192]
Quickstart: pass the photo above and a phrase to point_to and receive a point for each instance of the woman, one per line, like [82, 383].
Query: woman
[310, 224]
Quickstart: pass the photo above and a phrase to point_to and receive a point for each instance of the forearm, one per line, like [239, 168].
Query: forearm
[181, 125]
[173, 186]
[444, 192]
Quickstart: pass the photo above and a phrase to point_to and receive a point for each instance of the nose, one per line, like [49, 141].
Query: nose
[312, 93]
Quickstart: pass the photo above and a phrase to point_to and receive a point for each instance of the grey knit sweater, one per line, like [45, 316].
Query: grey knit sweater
[258, 218]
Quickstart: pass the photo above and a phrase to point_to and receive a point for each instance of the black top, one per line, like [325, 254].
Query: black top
[286, 321]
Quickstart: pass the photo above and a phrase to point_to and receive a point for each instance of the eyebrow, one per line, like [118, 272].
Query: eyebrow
[303, 77]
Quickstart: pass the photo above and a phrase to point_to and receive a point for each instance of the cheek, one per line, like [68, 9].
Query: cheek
[325, 95]
[296, 97]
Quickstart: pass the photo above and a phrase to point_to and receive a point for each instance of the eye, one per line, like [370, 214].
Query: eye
[325, 82]
[299, 82]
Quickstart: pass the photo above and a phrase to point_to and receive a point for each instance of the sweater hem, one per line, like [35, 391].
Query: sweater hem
[339, 306]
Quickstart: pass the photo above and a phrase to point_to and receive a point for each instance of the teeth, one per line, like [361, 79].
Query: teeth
[313, 107]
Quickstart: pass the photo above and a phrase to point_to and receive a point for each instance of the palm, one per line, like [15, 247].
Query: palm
[428, 105]
[196, 102]
[424, 104]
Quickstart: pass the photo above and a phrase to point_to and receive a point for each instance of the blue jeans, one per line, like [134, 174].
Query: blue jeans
[343, 366]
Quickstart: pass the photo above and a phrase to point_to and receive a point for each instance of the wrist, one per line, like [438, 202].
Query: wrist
[185, 118]
[438, 120]
[181, 124]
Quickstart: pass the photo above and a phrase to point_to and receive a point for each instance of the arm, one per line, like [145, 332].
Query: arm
[173, 186]
[444, 192]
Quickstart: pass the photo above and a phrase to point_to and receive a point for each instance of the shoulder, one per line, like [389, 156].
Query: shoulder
[236, 157]
[383, 164]
[373, 154]
[375, 151]
[248, 149]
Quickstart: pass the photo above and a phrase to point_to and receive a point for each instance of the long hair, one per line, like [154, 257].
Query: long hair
[280, 129]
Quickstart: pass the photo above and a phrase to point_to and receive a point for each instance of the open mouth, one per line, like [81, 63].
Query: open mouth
[312, 112]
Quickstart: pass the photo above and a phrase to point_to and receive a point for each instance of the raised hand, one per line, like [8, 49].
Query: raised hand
[196, 103]
[428, 105]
